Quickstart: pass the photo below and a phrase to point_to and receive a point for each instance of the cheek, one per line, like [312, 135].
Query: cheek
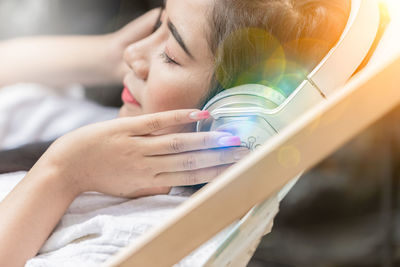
[162, 97]
[169, 97]
[174, 91]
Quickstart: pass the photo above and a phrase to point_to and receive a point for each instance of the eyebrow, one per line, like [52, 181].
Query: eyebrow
[178, 38]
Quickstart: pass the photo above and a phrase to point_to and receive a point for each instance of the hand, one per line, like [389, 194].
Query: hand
[136, 30]
[129, 157]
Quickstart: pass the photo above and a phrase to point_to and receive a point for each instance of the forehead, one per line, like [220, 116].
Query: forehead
[191, 18]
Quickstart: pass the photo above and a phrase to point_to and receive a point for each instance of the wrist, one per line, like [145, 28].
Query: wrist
[115, 47]
[54, 173]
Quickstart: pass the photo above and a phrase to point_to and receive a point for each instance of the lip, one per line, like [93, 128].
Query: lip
[127, 97]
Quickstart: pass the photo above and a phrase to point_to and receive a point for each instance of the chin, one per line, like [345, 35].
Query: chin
[126, 111]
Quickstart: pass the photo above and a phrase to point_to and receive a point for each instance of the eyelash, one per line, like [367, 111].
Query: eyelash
[157, 26]
[167, 59]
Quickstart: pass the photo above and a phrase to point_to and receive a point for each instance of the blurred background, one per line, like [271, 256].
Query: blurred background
[54, 17]
[344, 212]
[34, 17]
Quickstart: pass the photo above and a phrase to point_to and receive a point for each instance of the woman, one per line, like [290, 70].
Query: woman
[201, 47]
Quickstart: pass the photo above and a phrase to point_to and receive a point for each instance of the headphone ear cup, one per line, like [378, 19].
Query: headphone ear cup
[253, 131]
[231, 111]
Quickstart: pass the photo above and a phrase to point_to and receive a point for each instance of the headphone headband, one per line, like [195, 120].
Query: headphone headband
[353, 46]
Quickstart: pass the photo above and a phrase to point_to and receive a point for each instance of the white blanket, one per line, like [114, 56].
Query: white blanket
[32, 113]
[95, 226]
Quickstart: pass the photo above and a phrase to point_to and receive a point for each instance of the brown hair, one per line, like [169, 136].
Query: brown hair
[272, 42]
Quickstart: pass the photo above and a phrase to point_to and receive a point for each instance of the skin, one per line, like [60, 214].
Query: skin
[146, 151]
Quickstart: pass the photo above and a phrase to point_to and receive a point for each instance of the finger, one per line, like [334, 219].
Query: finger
[147, 124]
[193, 177]
[140, 27]
[199, 159]
[184, 142]
[228, 129]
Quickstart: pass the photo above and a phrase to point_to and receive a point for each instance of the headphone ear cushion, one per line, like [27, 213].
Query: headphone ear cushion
[256, 90]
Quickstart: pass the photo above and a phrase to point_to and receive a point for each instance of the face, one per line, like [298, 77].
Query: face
[172, 68]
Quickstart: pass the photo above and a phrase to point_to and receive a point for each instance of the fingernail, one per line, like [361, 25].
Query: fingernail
[229, 141]
[239, 154]
[199, 115]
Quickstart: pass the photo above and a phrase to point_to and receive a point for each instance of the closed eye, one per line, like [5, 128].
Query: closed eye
[168, 60]
[157, 26]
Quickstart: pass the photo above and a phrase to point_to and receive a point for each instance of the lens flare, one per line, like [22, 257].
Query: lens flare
[253, 55]
[393, 7]
[250, 55]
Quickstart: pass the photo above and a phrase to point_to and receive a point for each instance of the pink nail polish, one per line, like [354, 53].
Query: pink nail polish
[229, 141]
[199, 115]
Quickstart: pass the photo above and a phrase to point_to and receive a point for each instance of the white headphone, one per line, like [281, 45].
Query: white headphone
[256, 112]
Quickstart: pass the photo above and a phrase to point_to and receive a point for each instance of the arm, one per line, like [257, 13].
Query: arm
[30, 212]
[57, 61]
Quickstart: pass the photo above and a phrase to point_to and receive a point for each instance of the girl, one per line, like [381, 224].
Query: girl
[200, 48]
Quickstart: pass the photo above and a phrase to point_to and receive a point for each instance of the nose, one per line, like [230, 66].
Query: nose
[137, 57]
